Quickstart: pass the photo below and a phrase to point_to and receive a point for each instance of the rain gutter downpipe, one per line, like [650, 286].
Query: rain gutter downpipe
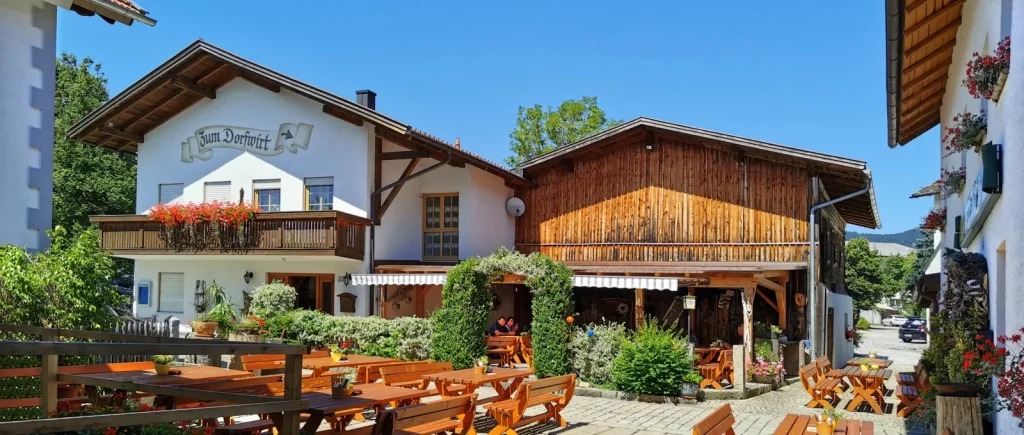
[374, 211]
[812, 290]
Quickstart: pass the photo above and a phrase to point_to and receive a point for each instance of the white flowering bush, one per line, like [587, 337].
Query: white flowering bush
[594, 348]
[271, 300]
[405, 338]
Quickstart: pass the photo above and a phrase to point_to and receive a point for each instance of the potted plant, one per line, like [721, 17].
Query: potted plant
[967, 132]
[344, 383]
[865, 364]
[986, 75]
[481, 365]
[691, 383]
[162, 364]
[205, 325]
[224, 314]
[336, 352]
[872, 354]
[776, 331]
[935, 220]
[249, 325]
[953, 182]
[827, 421]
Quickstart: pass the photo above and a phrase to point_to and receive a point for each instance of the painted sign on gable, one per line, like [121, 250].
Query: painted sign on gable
[290, 137]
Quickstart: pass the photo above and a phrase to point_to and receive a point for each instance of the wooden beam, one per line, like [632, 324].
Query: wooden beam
[953, 25]
[61, 348]
[923, 106]
[403, 155]
[915, 4]
[773, 274]
[910, 134]
[191, 86]
[378, 165]
[420, 296]
[771, 285]
[259, 81]
[944, 49]
[780, 302]
[121, 134]
[924, 118]
[926, 91]
[292, 392]
[638, 306]
[164, 390]
[730, 282]
[71, 424]
[48, 380]
[768, 300]
[394, 190]
[921, 77]
[343, 115]
[933, 16]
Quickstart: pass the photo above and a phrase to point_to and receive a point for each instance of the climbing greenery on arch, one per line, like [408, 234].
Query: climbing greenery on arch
[461, 322]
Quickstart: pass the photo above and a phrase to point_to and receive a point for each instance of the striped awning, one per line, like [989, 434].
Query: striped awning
[598, 281]
[398, 279]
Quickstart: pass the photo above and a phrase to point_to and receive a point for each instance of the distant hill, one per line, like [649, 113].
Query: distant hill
[906, 238]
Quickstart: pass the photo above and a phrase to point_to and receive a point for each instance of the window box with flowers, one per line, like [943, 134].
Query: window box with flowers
[195, 227]
[953, 182]
[986, 75]
[935, 220]
[967, 132]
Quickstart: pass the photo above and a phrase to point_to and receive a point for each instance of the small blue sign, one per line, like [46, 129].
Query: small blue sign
[143, 295]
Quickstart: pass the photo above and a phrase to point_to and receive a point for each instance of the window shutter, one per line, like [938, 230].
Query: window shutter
[320, 181]
[217, 191]
[171, 192]
[172, 293]
[266, 184]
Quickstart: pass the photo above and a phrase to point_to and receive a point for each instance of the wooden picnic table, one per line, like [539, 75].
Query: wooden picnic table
[881, 363]
[445, 380]
[707, 354]
[794, 424]
[868, 386]
[189, 374]
[322, 365]
[340, 412]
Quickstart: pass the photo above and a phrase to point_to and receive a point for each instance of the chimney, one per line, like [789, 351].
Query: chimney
[367, 98]
[458, 145]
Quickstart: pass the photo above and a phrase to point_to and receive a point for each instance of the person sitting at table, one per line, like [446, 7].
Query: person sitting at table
[513, 329]
[499, 328]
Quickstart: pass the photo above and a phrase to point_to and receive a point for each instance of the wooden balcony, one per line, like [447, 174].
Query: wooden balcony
[321, 233]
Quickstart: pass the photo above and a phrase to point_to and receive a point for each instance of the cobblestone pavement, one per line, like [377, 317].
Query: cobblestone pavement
[758, 415]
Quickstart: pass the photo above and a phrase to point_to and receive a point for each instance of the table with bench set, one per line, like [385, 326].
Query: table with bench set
[722, 420]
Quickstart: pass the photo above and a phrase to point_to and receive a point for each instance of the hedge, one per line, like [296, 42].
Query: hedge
[461, 322]
[405, 338]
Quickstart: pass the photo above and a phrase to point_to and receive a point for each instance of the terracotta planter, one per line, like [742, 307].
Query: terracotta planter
[162, 369]
[204, 329]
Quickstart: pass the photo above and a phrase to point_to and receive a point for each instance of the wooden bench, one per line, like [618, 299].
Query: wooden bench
[247, 428]
[368, 373]
[718, 423]
[509, 414]
[451, 415]
[910, 395]
[822, 390]
[910, 378]
[718, 371]
[257, 363]
[504, 347]
[411, 375]
[76, 394]
[825, 371]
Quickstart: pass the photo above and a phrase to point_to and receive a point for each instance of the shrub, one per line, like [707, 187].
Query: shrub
[764, 352]
[552, 302]
[653, 361]
[461, 322]
[405, 338]
[270, 300]
[594, 348]
[863, 323]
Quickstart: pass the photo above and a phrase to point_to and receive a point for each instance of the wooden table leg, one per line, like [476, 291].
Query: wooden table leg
[313, 422]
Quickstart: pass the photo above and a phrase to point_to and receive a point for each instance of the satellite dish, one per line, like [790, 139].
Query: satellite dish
[515, 207]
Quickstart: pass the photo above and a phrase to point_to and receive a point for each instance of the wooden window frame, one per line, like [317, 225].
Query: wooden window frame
[321, 278]
[256, 199]
[305, 193]
[441, 229]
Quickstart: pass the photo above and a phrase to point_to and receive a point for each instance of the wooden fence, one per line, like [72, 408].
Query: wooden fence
[50, 347]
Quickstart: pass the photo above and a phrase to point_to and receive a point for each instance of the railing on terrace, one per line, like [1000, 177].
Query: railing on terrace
[50, 347]
[271, 233]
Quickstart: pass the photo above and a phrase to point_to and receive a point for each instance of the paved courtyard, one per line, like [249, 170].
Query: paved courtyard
[759, 415]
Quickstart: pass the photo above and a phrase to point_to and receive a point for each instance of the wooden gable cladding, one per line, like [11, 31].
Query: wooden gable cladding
[676, 202]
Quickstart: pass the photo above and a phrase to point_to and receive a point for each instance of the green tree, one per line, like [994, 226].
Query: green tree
[924, 249]
[865, 277]
[539, 130]
[87, 180]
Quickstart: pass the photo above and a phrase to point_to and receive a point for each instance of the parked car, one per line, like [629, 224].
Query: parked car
[913, 329]
[896, 320]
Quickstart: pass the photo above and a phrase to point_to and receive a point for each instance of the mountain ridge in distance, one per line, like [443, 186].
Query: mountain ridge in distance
[905, 238]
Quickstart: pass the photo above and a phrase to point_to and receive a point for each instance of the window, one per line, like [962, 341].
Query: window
[172, 293]
[267, 194]
[219, 191]
[320, 193]
[171, 192]
[441, 226]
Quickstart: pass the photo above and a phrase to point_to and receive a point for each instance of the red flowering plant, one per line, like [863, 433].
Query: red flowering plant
[935, 220]
[1003, 359]
[196, 227]
[953, 182]
[983, 72]
[967, 132]
[120, 405]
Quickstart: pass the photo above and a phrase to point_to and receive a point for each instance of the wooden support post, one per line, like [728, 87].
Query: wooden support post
[48, 380]
[292, 391]
[961, 415]
[638, 307]
[748, 322]
[780, 300]
[693, 317]
[421, 294]
[378, 149]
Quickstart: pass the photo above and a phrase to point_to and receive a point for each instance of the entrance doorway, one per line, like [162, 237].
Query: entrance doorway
[314, 291]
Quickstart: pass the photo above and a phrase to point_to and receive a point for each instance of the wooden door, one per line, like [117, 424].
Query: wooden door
[325, 293]
[830, 334]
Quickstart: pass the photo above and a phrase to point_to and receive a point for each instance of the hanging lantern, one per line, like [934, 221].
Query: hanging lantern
[569, 319]
[690, 301]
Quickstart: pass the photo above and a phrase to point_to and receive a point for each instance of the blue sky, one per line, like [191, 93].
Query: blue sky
[804, 74]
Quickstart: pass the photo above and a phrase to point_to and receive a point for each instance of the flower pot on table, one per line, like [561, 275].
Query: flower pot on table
[162, 369]
[204, 329]
[824, 428]
[479, 370]
[337, 356]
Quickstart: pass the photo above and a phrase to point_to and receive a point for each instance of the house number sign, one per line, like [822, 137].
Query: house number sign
[290, 137]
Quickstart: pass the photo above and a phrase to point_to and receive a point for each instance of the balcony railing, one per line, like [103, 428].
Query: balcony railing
[271, 233]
